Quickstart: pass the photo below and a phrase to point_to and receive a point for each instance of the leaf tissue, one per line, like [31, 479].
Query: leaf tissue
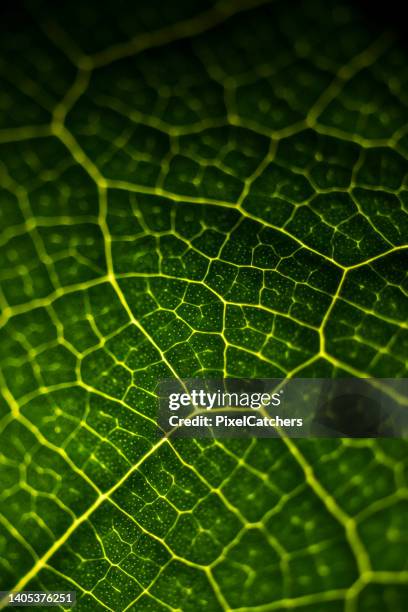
[198, 189]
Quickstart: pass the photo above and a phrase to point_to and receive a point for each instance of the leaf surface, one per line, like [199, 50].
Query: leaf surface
[198, 189]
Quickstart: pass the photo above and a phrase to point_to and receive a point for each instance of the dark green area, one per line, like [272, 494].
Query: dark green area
[198, 189]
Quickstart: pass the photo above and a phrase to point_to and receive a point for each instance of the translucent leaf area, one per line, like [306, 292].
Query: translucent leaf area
[198, 189]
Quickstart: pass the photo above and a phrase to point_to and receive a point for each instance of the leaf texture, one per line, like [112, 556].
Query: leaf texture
[198, 189]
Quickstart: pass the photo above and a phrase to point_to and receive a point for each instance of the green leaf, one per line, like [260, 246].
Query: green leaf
[198, 189]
